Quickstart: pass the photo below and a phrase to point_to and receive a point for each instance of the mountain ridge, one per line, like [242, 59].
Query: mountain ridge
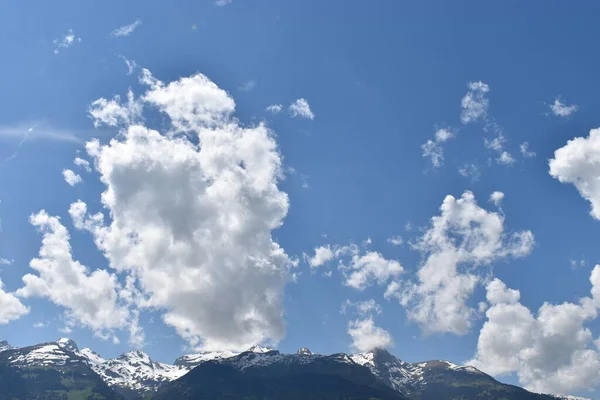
[134, 374]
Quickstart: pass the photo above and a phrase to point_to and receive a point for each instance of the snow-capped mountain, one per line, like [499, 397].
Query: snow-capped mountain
[402, 376]
[134, 374]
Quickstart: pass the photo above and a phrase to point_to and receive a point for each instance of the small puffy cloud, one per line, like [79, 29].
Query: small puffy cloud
[11, 307]
[395, 240]
[505, 158]
[66, 41]
[366, 336]
[464, 236]
[126, 30]
[248, 85]
[496, 198]
[323, 254]
[470, 171]
[562, 110]
[274, 108]
[5, 261]
[360, 268]
[90, 298]
[71, 177]
[443, 135]
[551, 352]
[365, 270]
[578, 163]
[40, 324]
[300, 108]
[525, 152]
[222, 3]
[475, 103]
[80, 162]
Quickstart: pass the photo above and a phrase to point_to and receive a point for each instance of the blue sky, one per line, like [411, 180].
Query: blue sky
[379, 80]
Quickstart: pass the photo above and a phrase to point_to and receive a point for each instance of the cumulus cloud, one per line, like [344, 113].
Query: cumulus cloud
[90, 298]
[300, 108]
[578, 163]
[370, 268]
[525, 152]
[496, 143]
[365, 335]
[71, 177]
[126, 30]
[191, 219]
[551, 352]
[562, 110]
[463, 237]
[11, 307]
[5, 261]
[361, 268]
[66, 41]
[475, 103]
[274, 108]
[323, 254]
[434, 148]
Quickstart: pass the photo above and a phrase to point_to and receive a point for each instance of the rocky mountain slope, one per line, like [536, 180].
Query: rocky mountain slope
[261, 371]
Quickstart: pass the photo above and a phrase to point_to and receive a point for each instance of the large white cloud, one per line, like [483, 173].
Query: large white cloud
[578, 163]
[91, 298]
[191, 223]
[462, 238]
[552, 352]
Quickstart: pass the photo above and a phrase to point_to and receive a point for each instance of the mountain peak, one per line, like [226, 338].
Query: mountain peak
[259, 349]
[5, 346]
[135, 356]
[67, 344]
[304, 351]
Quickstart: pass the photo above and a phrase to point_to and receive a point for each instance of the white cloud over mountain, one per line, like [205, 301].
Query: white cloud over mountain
[190, 224]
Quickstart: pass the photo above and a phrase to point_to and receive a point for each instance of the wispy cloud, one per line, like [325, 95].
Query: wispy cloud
[36, 131]
[248, 85]
[131, 65]
[562, 110]
[222, 3]
[66, 41]
[524, 147]
[126, 30]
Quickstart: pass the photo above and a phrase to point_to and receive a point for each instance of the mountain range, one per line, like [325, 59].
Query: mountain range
[60, 370]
